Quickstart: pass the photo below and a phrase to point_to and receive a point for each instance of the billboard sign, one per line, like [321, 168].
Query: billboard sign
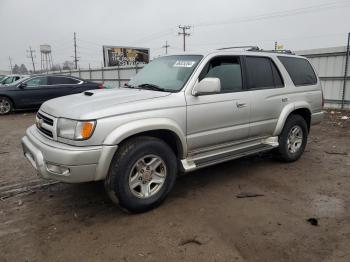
[124, 55]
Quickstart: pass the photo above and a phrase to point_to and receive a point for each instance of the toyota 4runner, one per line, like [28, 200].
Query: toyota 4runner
[180, 113]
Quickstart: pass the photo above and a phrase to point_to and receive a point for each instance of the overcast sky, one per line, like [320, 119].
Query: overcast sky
[297, 24]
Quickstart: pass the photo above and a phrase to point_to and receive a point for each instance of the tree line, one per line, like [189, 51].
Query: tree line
[22, 69]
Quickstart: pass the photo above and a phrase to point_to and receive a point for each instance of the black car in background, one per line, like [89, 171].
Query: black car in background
[31, 92]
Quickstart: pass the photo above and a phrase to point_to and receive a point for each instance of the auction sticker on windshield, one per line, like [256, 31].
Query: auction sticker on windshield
[180, 63]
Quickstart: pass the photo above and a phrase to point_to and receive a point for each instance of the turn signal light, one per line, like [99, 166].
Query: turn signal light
[87, 129]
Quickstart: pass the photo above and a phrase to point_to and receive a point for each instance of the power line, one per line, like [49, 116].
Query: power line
[249, 41]
[166, 46]
[154, 36]
[31, 51]
[283, 13]
[184, 34]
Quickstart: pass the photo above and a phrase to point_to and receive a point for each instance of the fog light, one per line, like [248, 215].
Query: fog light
[59, 170]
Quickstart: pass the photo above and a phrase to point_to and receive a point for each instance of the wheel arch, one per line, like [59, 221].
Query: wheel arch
[301, 108]
[165, 129]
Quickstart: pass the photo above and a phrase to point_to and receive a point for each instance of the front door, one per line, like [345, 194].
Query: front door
[34, 93]
[217, 119]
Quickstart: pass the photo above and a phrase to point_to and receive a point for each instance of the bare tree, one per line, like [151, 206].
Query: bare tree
[56, 67]
[68, 65]
[23, 69]
[15, 69]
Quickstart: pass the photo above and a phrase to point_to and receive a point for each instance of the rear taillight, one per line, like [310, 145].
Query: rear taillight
[100, 86]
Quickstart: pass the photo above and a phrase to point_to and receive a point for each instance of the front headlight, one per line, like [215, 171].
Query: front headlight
[75, 130]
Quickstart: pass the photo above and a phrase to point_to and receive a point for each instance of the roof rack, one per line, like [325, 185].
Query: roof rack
[251, 47]
[282, 51]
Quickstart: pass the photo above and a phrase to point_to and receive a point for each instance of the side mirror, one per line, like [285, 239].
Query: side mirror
[209, 85]
[22, 85]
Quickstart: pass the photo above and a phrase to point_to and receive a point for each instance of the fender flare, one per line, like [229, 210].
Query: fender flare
[286, 111]
[143, 125]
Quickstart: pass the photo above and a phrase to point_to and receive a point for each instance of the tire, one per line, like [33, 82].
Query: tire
[142, 173]
[293, 139]
[6, 105]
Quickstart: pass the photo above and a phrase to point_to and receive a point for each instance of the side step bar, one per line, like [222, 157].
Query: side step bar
[191, 164]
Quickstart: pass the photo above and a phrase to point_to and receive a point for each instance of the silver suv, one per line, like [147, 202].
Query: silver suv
[180, 113]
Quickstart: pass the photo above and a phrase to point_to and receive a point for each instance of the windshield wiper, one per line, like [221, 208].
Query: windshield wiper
[152, 87]
[126, 85]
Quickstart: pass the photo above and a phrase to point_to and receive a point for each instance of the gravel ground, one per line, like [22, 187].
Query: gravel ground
[201, 220]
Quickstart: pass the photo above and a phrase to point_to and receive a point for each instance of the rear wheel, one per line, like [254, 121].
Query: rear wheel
[293, 138]
[142, 174]
[6, 106]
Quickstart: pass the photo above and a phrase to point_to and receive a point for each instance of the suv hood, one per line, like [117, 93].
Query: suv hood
[96, 104]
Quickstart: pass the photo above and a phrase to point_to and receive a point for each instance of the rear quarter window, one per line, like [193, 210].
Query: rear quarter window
[61, 80]
[300, 70]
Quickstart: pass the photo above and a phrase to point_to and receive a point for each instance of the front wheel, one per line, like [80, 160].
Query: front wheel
[6, 106]
[293, 139]
[142, 173]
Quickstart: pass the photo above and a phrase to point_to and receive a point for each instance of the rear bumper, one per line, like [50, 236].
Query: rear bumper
[316, 118]
[82, 164]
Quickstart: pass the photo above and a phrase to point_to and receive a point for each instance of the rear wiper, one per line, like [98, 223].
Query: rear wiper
[152, 87]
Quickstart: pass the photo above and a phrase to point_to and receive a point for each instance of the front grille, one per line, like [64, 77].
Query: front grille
[46, 132]
[47, 120]
[45, 124]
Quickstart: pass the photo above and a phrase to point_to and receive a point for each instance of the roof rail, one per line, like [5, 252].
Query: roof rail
[281, 51]
[254, 48]
[251, 47]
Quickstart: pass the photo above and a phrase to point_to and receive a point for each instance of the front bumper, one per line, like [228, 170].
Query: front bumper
[84, 163]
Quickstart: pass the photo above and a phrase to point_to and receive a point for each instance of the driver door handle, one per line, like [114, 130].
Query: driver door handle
[241, 105]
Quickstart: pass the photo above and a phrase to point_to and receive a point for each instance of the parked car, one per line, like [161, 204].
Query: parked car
[179, 113]
[9, 79]
[31, 92]
[2, 77]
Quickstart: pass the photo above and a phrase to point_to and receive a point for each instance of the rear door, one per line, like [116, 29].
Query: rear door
[266, 85]
[63, 85]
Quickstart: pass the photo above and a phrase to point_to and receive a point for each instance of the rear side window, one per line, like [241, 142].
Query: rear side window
[262, 73]
[37, 81]
[300, 70]
[60, 80]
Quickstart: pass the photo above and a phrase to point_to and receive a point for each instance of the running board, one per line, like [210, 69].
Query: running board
[193, 163]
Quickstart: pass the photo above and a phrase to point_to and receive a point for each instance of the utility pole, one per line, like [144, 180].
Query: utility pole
[10, 63]
[184, 34]
[166, 46]
[31, 51]
[75, 51]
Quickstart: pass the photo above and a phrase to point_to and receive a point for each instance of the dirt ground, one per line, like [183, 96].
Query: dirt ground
[201, 220]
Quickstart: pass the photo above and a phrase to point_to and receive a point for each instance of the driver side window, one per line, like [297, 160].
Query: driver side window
[37, 82]
[228, 70]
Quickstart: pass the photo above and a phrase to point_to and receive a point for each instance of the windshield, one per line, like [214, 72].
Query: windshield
[169, 73]
[2, 81]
